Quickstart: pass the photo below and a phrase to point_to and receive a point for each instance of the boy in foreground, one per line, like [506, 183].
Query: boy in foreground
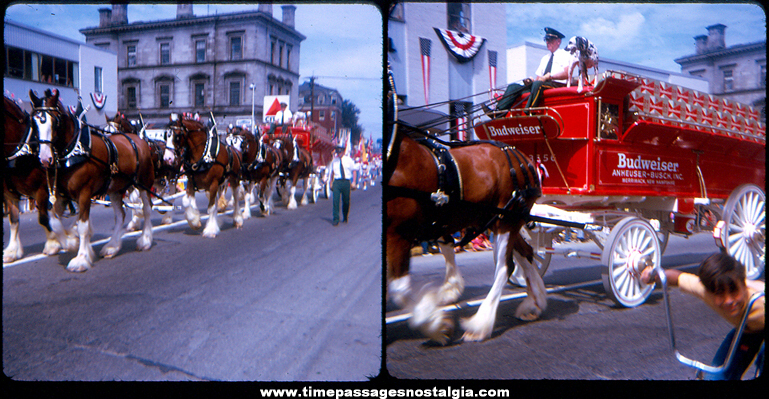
[721, 284]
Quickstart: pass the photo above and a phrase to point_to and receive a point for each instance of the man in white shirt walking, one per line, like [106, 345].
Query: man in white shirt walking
[341, 173]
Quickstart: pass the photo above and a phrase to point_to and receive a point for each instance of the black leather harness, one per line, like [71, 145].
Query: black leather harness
[450, 190]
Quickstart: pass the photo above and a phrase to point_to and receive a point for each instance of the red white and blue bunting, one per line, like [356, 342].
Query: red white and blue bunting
[98, 99]
[463, 46]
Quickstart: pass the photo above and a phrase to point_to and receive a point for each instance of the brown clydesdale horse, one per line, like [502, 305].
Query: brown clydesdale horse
[208, 164]
[166, 173]
[297, 164]
[23, 175]
[497, 186]
[87, 164]
[261, 165]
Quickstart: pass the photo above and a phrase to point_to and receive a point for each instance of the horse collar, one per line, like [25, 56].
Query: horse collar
[23, 149]
[79, 149]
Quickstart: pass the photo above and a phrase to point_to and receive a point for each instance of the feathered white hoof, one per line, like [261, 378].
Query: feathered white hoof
[451, 290]
[12, 253]
[193, 218]
[528, 310]
[292, 203]
[79, 264]
[144, 242]
[238, 221]
[109, 251]
[211, 230]
[134, 224]
[52, 246]
[430, 320]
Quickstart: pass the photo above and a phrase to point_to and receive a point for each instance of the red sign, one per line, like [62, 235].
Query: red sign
[663, 172]
[517, 129]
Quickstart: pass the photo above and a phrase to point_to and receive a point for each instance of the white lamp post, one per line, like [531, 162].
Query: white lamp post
[253, 123]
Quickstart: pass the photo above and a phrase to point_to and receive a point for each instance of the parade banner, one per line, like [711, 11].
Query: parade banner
[463, 46]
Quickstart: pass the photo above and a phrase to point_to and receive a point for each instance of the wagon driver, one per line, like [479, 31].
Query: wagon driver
[552, 72]
[341, 173]
[282, 118]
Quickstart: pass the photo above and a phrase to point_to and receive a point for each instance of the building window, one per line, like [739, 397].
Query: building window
[459, 16]
[14, 66]
[200, 51]
[131, 55]
[280, 55]
[234, 93]
[165, 95]
[762, 76]
[288, 56]
[200, 95]
[273, 46]
[322, 115]
[728, 80]
[236, 48]
[27, 65]
[131, 97]
[165, 53]
[98, 83]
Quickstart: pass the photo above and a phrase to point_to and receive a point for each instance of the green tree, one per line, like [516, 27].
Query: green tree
[350, 114]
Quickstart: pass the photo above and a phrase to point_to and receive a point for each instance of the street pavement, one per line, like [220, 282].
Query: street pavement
[288, 297]
[583, 335]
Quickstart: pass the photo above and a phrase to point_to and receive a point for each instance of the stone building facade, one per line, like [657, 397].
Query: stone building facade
[737, 72]
[223, 63]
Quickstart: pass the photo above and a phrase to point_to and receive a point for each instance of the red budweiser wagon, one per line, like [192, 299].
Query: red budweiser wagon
[635, 160]
[318, 142]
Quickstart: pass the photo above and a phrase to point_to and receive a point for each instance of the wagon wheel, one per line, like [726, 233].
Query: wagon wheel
[631, 246]
[540, 241]
[744, 232]
[315, 188]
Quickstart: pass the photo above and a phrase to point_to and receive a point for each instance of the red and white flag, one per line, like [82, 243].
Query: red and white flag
[492, 73]
[98, 99]
[424, 49]
[463, 46]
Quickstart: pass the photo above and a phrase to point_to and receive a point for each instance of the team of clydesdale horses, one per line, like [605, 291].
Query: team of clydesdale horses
[54, 157]
[431, 191]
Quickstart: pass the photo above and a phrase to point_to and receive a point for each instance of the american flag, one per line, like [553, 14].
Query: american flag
[424, 48]
[492, 73]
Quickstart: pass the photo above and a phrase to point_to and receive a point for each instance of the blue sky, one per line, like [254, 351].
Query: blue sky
[344, 43]
[642, 33]
[343, 46]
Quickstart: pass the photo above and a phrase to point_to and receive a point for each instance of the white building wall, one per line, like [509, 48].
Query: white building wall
[91, 57]
[487, 21]
[46, 43]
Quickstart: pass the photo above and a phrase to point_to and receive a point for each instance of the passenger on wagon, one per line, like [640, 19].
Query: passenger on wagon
[552, 72]
[283, 118]
[722, 285]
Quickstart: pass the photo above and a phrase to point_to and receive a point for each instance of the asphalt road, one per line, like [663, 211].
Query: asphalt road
[583, 335]
[286, 298]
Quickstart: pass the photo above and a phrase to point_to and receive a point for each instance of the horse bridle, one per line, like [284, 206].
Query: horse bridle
[49, 112]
